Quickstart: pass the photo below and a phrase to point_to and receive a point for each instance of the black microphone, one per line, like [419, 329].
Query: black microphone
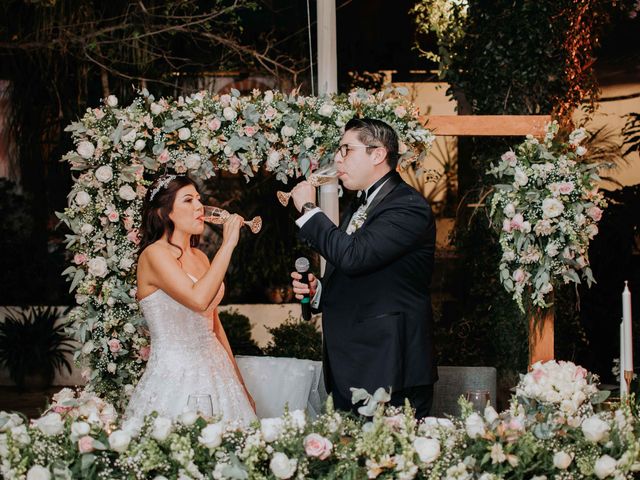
[302, 267]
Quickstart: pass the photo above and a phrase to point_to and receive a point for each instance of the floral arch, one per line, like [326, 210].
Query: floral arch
[117, 150]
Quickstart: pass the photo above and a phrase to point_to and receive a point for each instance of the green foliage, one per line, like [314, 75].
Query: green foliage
[32, 341]
[296, 339]
[238, 330]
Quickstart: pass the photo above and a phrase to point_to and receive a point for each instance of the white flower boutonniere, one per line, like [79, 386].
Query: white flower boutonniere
[357, 220]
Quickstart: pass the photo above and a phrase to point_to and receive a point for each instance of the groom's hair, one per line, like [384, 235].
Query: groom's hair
[157, 205]
[376, 132]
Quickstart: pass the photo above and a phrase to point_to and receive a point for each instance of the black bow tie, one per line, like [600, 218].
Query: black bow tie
[361, 199]
[363, 195]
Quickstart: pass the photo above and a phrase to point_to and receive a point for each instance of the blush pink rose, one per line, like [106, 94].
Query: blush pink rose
[566, 188]
[250, 130]
[85, 444]
[61, 409]
[113, 216]
[519, 275]
[317, 446]
[114, 345]
[79, 259]
[214, 124]
[595, 213]
[144, 352]
[132, 236]
[128, 223]
[164, 156]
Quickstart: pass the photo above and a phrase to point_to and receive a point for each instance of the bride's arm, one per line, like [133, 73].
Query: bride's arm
[169, 277]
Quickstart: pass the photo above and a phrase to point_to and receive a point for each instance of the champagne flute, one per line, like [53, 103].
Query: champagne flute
[201, 404]
[479, 399]
[218, 216]
[322, 176]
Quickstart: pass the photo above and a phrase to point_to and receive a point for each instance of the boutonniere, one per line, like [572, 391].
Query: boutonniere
[357, 220]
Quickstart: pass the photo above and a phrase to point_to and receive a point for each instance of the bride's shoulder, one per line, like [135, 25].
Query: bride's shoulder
[158, 249]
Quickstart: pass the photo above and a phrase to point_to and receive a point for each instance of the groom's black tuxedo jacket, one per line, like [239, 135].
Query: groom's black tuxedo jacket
[375, 301]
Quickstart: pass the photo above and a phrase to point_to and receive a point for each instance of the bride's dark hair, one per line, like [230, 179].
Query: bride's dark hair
[157, 205]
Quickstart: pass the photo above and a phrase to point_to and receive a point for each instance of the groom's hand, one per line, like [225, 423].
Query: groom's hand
[303, 193]
[300, 288]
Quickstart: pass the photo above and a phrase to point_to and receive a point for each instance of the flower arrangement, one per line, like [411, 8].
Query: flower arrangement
[386, 443]
[117, 147]
[547, 205]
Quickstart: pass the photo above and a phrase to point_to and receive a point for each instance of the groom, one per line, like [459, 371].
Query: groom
[374, 296]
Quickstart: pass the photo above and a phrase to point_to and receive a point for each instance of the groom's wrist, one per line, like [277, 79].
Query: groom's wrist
[307, 207]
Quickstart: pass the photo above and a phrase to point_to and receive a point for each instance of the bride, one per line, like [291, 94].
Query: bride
[178, 291]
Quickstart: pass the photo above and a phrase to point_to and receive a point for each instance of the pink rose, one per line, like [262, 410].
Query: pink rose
[214, 124]
[113, 216]
[61, 410]
[270, 113]
[133, 237]
[517, 222]
[400, 111]
[580, 373]
[595, 213]
[506, 225]
[250, 130]
[128, 223]
[509, 157]
[85, 444]
[79, 259]
[317, 446]
[139, 172]
[164, 156]
[114, 345]
[519, 275]
[144, 352]
[566, 188]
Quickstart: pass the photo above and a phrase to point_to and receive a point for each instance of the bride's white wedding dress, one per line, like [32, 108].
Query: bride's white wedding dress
[186, 358]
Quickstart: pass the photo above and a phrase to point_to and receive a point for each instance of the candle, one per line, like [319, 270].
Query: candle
[623, 383]
[627, 329]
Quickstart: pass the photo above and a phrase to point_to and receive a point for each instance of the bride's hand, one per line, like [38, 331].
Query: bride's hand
[231, 230]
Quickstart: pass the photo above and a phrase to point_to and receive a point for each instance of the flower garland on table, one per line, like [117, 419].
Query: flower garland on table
[547, 205]
[536, 438]
[118, 147]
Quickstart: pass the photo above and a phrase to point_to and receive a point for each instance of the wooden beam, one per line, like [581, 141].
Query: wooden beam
[541, 337]
[486, 125]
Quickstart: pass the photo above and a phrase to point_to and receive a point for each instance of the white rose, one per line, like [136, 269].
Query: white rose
[80, 429]
[211, 435]
[38, 472]
[326, 110]
[474, 425]
[133, 426]
[119, 441]
[282, 466]
[156, 108]
[562, 460]
[161, 429]
[552, 207]
[129, 328]
[184, 133]
[50, 424]
[509, 210]
[520, 177]
[271, 428]
[126, 192]
[111, 367]
[594, 429]
[604, 466]
[139, 145]
[104, 173]
[98, 267]
[308, 142]
[86, 149]
[82, 198]
[287, 131]
[192, 161]
[229, 113]
[268, 96]
[112, 101]
[299, 418]
[86, 229]
[188, 418]
[129, 137]
[428, 449]
[580, 151]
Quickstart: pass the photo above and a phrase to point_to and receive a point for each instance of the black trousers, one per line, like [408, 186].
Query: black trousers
[420, 398]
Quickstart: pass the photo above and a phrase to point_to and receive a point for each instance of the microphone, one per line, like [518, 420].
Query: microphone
[302, 267]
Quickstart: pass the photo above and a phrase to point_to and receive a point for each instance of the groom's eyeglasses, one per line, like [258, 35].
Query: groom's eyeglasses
[346, 147]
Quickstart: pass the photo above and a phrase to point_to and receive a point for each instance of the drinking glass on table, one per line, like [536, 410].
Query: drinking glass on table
[201, 404]
[479, 399]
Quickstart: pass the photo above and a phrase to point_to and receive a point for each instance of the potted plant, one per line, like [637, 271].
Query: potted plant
[33, 346]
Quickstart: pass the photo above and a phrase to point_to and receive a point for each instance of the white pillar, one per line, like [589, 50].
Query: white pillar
[327, 51]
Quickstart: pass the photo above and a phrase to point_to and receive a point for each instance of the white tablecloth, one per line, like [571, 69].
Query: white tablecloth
[275, 382]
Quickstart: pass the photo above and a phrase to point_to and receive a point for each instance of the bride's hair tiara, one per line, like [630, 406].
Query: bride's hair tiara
[161, 183]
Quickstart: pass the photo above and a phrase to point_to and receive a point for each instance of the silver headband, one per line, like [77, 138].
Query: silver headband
[161, 183]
